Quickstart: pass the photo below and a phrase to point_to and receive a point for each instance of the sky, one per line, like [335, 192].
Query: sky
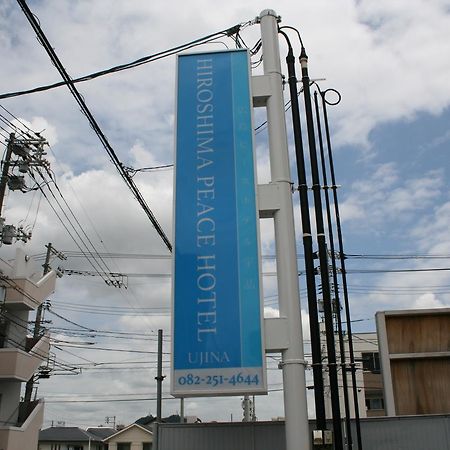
[390, 139]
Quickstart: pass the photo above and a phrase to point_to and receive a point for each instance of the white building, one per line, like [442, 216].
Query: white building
[22, 289]
[368, 377]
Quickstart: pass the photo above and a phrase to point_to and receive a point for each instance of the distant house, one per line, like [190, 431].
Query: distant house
[101, 432]
[73, 438]
[132, 437]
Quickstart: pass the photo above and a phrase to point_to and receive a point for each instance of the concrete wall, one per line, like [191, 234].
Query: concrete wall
[25, 437]
[9, 402]
[16, 332]
[20, 365]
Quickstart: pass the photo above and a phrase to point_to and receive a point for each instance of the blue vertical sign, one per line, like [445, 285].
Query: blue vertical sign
[217, 346]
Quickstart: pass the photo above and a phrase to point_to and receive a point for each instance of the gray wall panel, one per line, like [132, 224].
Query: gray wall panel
[387, 433]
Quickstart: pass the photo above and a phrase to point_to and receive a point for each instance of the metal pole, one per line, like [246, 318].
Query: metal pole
[182, 410]
[37, 326]
[246, 408]
[293, 362]
[307, 244]
[159, 377]
[6, 164]
[335, 278]
[323, 256]
[253, 410]
[344, 274]
[37, 323]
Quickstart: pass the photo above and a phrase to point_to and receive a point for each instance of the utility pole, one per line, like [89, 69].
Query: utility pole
[159, 377]
[293, 361]
[37, 323]
[37, 326]
[246, 406]
[29, 153]
[254, 418]
[182, 410]
[109, 419]
[6, 165]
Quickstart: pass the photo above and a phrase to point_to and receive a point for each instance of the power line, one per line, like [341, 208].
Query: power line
[93, 253]
[125, 399]
[267, 274]
[138, 62]
[75, 254]
[90, 260]
[109, 349]
[85, 110]
[397, 256]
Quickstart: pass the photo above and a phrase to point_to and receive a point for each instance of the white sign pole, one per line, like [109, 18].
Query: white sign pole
[293, 363]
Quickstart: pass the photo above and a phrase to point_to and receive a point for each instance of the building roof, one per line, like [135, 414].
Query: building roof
[67, 434]
[147, 420]
[123, 430]
[101, 432]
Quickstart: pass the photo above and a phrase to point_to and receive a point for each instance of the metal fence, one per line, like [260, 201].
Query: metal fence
[384, 433]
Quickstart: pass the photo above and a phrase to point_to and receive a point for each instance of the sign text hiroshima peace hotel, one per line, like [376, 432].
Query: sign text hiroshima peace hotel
[206, 225]
[217, 345]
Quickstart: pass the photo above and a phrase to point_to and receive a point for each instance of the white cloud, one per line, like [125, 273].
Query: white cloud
[384, 196]
[428, 300]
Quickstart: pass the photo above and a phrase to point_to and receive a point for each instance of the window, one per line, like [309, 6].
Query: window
[374, 403]
[123, 446]
[4, 325]
[146, 446]
[371, 362]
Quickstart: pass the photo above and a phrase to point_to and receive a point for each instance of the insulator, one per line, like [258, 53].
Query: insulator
[321, 306]
[16, 182]
[21, 150]
[24, 166]
[8, 234]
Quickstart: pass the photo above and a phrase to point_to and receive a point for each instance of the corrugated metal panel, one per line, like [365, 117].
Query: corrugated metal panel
[270, 436]
[406, 433]
[222, 436]
[387, 433]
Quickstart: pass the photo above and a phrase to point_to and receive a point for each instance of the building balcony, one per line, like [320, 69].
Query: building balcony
[23, 293]
[20, 365]
[24, 434]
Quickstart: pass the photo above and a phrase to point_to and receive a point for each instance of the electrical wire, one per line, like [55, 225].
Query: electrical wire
[136, 63]
[75, 254]
[105, 265]
[85, 110]
[92, 260]
[133, 172]
[126, 297]
[60, 363]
